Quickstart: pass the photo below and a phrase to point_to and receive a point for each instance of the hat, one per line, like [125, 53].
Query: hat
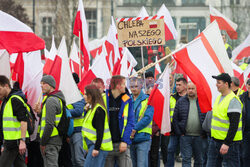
[48, 79]
[224, 77]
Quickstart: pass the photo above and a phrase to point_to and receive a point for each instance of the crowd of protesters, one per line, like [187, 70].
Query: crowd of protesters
[115, 127]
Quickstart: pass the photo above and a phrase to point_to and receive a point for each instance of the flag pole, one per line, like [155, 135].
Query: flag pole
[238, 93]
[165, 57]
[143, 66]
[80, 57]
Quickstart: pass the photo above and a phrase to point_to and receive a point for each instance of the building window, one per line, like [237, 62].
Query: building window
[193, 2]
[166, 2]
[91, 19]
[47, 26]
[135, 2]
[199, 24]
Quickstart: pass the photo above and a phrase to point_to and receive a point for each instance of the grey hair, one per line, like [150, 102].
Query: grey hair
[236, 81]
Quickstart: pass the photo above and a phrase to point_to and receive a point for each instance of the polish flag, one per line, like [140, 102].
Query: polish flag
[49, 57]
[74, 59]
[16, 36]
[99, 69]
[244, 77]
[157, 68]
[95, 46]
[63, 76]
[112, 47]
[237, 70]
[4, 63]
[159, 99]
[81, 27]
[224, 23]
[243, 50]
[170, 31]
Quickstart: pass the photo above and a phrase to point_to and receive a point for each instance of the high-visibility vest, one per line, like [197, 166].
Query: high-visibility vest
[220, 121]
[57, 120]
[125, 97]
[78, 121]
[243, 66]
[227, 45]
[172, 106]
[11, 126]
[147, 129]
[89, 131]
[240, 92]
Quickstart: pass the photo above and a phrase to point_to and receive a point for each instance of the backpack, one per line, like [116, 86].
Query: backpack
[31, 119]
[65, 126]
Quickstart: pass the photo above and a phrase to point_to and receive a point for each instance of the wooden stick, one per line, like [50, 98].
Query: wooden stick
[238, 93]
[39, 98]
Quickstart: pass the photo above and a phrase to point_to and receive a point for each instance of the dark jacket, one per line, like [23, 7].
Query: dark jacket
[243, 99]
[181, 112]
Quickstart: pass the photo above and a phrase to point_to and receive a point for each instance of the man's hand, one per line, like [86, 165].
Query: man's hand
[224, 149]
[37, 108]
[22, 147]
[2, 149]
[157, 133]
[95, 153]
[133, 134]
[42, 149]
[123, 147]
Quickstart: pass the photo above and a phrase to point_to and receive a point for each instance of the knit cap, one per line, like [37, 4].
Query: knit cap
[48, 79]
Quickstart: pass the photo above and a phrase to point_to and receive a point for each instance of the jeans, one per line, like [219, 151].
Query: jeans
[231, 159]
[172, 147]
[139, 153]
[50, 159]
[99, 160]
[246, 149]
[191, 145]
[10, 158]
[77, 152]
[115, 157]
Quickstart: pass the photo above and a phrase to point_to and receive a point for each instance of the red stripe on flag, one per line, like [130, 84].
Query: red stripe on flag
[203, 89]
[15, 42]
[56, 70]
[138, 18]
[211, 52]
[243, 53]
[168, 33]
[47, 66]
[224, 25]
[146, 18]
[86, 80]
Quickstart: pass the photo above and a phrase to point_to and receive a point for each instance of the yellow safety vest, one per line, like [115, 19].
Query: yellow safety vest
[125, 110]
[78, 121]
[11, 126]
[147, 129]
[227, 45]
[241, 92]
[89, 131]
[57, 120]
[172, 106]
[220, 121]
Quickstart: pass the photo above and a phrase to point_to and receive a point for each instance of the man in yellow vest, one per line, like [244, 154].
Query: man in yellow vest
[142, 131]
[227, 46]
[14, 125]
[244, 65]
[226, 126]
[51, 112]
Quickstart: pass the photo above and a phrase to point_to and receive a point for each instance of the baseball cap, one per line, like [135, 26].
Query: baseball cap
[223, 77]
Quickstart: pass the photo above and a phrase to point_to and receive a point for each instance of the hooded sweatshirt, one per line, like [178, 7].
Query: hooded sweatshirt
[53, 108]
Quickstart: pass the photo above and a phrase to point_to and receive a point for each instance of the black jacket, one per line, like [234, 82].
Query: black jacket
[181, 112]
[243, 99]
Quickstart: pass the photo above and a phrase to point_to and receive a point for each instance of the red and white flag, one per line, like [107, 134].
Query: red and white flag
[224, 23]
[243, 50]
[95, 46]
[170, 31]
[81, 27]
[63, 76]
[49, 57]
[157, 68]
[237, 70]
[74, 59]
[99, 69]
[16, 36]
[159, 99]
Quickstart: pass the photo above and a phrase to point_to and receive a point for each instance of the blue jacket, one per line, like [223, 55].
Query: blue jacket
[130, 122]
[77, 112]
[181, 112]
[148, 117]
